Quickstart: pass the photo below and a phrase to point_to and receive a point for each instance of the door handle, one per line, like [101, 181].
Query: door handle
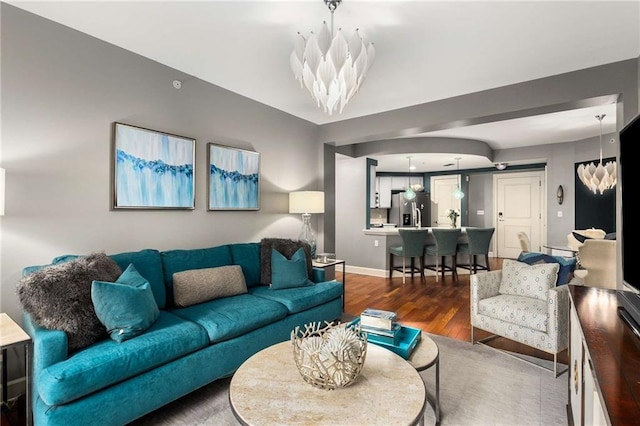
[500, 217]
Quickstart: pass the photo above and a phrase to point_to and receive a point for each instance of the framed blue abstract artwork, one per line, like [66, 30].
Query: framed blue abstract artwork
[152, 170]
[234, 178]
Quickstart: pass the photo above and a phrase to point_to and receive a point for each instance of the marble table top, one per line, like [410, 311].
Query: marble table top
[268, 390]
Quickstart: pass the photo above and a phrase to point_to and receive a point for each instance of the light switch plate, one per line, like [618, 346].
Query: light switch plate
[560, 213]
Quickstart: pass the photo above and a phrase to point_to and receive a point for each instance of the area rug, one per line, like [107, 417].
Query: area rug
[478, 386]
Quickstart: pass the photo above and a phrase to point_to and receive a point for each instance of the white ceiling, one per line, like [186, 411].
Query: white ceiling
[425, 50]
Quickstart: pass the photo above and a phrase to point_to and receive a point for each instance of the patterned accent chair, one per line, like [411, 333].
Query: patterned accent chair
[522, 303]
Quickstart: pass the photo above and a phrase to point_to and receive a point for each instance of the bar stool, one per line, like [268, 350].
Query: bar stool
[446, 244]
[479, 240]
[412, 247]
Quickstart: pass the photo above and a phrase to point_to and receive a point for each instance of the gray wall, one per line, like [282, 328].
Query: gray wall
[61, 92]
[480, 197]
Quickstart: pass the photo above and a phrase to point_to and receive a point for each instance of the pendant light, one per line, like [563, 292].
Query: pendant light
[409, 194]
[600, 177]
[457, 193]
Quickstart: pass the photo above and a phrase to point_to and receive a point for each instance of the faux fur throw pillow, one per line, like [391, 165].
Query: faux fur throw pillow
[58, 297]
[285, 246]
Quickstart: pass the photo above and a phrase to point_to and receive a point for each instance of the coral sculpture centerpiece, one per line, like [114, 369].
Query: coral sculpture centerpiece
[329, 356]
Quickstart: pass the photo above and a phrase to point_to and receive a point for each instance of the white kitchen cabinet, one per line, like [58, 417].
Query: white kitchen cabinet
[416, 179]
[399, 182]
[384, 191]
[373, 187]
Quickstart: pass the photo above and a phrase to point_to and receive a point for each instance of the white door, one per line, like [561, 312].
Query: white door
[442, 199]
[519, 207]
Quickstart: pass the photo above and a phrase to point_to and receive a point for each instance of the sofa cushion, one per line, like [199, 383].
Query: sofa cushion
[301, 298]
[58, 297]
[200, 285]
[149, 264]
[247, 255]
[518, 310]
[183, 260]
[127, 307]
[224, 319]
[567, 264]
[289, 273]
[534, 281]
[108, 362]
[284, 246]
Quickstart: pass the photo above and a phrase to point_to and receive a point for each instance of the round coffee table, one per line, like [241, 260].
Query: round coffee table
[425, 355]
[268, 389]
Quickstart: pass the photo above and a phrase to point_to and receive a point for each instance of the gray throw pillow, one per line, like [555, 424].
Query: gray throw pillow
[200, 285]
[58, 297]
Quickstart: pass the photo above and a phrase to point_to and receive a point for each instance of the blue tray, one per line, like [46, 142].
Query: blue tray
[409, 338]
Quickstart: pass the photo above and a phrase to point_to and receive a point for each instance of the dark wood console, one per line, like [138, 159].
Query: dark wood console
[604, 375]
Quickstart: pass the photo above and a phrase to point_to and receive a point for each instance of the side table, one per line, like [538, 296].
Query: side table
[12, 335]
[334, 262]
[424, 356]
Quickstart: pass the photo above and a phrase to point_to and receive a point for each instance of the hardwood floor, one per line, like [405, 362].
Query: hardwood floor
[441, 308]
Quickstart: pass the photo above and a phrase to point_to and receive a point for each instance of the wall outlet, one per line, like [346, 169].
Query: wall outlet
[375, 243]
[560, 213]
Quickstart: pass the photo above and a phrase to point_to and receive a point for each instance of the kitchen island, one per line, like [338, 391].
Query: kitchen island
[383, 238]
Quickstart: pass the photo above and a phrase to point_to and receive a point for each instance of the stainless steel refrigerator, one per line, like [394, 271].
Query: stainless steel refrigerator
[401, 211]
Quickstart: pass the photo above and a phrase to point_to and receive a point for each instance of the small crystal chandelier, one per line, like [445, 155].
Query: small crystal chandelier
[331, 68]
[600, 177]
[457, 193]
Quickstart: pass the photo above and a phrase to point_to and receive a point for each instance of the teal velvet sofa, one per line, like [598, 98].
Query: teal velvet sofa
[111, 383]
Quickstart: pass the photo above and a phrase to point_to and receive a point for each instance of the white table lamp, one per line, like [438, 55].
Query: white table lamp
[306, 203]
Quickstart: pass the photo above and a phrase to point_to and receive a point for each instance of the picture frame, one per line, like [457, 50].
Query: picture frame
[152, 169]
[233, 178]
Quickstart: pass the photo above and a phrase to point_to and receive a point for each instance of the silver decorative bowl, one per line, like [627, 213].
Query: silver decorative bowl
[329, 356]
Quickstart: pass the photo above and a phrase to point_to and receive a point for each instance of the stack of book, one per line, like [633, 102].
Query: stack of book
[380, 326]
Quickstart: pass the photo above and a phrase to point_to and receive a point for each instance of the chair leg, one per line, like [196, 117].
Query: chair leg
[422, 277]
[486, 259]
[404, 265]
[475, 264]
[412, 267]
[390, 265]
[442, 268]
[454, 269]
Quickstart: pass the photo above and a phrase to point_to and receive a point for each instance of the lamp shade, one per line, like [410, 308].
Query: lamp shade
[1, 192]
[306, 202]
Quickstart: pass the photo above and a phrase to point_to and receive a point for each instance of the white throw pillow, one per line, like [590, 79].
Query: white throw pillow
[200, 285]
[521, 279]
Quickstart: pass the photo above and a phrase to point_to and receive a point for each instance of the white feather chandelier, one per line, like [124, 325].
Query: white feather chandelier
[330, 67]
[599, 177]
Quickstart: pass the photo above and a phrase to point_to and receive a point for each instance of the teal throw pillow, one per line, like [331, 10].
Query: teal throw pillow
[126, 307]
[289, 273]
